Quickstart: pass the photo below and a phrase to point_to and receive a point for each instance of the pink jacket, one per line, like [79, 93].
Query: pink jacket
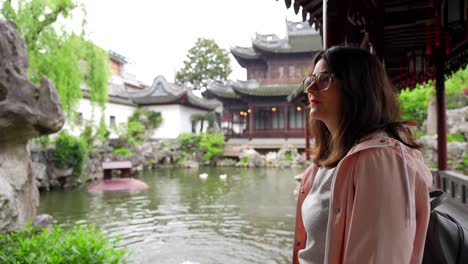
[379, 207]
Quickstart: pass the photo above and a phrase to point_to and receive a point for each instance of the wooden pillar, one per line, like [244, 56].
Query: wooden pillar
[440, 96]
[286, 120]
[441, 114]
[251, 120]
[334, 20]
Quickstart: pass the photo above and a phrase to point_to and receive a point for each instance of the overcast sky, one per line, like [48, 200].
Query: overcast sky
[156, 34]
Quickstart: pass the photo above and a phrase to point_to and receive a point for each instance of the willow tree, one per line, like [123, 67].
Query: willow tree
[55, 51]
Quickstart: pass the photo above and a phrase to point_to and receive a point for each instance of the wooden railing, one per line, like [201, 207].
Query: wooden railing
[271, 133]
[454, 184]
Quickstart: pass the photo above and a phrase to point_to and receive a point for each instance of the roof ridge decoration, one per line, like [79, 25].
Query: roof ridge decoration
[159, 87]
[300, 38]
[299, 28]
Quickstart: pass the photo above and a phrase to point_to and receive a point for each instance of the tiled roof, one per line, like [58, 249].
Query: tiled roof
[266, 90]
[294, 44]
[301, 38]
[163, 92]
[222, 91]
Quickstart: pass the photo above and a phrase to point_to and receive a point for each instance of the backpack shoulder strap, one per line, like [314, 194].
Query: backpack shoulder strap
[439, 197]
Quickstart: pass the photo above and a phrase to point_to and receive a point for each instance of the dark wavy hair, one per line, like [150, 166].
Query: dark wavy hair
[369, 104]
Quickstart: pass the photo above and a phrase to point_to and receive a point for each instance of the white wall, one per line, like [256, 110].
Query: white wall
[92, 114]
[176, 120]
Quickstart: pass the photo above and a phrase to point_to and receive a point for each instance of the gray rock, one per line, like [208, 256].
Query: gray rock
[43, 221]
[26, 111]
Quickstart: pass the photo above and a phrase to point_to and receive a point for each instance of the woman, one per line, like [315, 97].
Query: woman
[365, 199]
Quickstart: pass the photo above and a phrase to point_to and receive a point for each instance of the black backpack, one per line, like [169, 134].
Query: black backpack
[446, 239]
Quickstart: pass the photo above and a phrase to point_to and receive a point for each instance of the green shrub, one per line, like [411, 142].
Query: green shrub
[88, 135]
[188, 142]
[71, 152]
[245, 159]
[419, 133]
[122, 152]
[102, 132]
[83, 244]
[288, 156]
[454, 95]
[211, 145]
[414, 102]
[456, 137]
[135, 132]
[154, 118]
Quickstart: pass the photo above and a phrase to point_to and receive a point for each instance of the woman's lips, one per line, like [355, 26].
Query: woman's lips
[313, 101]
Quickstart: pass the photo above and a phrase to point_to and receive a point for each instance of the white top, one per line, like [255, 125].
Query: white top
[315, 217]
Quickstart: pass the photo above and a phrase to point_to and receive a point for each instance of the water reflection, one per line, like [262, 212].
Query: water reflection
[246, 218]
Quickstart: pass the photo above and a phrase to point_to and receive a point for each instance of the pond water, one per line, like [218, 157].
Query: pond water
[181, 218]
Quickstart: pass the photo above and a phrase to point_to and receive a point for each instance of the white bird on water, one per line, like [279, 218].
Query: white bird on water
[204, 175]
[223, 176]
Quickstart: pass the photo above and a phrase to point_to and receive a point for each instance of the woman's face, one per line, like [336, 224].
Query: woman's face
[325, 96]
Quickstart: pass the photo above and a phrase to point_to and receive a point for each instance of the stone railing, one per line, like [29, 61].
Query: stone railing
[454, 184]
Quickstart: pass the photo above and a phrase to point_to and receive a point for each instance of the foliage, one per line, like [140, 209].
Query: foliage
[102, 131]
[455, 137]
[414, 102]
[83, 244]
[201, 117]
[122, 152]
[142, 121]
[245, 159]
[188, 142]
[88, 135]
[206, 62]
[454, 87]
[44, 140]
[58, 53]
[135, 132]
[211, 145]
[71, 152]
[154, 118]
[288, 156]
[419, 134]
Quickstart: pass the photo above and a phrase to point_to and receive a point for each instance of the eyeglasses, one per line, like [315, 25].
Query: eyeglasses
[322, 82]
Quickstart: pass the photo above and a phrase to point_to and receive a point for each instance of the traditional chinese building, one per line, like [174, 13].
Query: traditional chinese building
[177, 104]
[257, 108]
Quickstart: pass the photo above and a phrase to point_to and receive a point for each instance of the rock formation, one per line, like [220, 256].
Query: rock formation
[26, 111]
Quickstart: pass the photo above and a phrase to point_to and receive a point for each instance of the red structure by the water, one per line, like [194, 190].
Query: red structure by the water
[123, 183]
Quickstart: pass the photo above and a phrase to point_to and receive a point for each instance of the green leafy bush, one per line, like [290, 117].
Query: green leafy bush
[154, 118]
[122, 152]
[419, 133]
[71, 152]
[83, 244]
[135, 132]
[456, 137]
[245, 159]
[211, 145]
[454, 95]
[288, 156]
[414, 102]
[188, 142]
